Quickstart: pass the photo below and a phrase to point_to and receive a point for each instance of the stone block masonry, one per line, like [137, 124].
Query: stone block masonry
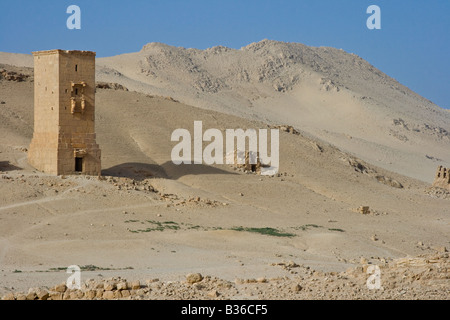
[64, 140]
[442, 179]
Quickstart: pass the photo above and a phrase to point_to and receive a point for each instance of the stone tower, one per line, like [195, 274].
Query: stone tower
[64, 113]
[442, 179]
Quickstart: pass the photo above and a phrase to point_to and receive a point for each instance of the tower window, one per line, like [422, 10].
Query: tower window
[78, 164]
[76, 68]
[76, 91]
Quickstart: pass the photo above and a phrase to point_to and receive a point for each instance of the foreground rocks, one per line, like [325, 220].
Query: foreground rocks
[423, 277]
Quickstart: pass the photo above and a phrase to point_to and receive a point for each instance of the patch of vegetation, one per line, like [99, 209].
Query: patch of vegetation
[17, 271]
[265, 231]
[171, 225]
[89, 267]
[336, 229]
[306, 227]
[58, 269]
[158, 226]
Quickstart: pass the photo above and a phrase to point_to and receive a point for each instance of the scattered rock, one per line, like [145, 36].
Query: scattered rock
[21, 296]
[317, 147]
[296, 287]
[109, 286]
[135, 285]
[90, 294]
[364, 210]
[440, 249]
[8, 296]
[31, 295]
[192, 278]
[213, 294]
[99, 293]
[56, 296]
[389, 181]
[140, 292]
[125, 293]
[42, 294]
[358, 166]
[403, 278]
[261, 280]
[60, 288]
[13, 76]
[110, 85]
[108, 295]
[122, 286]
[198, 286]
[286, 128]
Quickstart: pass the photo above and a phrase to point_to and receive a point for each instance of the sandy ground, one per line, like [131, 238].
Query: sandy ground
[147, 218]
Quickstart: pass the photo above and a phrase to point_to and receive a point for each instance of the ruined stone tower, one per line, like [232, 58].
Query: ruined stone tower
[64, 113]
[248, 160]
[442, 179]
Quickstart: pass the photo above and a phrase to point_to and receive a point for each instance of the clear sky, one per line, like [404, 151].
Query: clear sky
[413, 45]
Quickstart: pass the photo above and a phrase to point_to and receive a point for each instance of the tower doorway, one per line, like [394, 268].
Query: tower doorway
[78, 164]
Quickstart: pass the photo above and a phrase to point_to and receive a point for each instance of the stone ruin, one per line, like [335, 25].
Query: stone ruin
[64, 140]
[12, 75]
[442, 179]
[248, 161]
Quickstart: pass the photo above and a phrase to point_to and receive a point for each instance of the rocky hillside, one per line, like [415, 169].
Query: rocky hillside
[324, 92]
[327, 92]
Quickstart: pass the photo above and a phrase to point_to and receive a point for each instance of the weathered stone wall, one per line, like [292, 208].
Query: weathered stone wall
[247, 160]
[442, 179]
[64, 116]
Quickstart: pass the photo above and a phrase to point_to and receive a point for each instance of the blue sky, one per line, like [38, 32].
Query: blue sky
[413, 45]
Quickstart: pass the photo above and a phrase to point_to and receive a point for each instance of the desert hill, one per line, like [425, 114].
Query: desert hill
[326, 93]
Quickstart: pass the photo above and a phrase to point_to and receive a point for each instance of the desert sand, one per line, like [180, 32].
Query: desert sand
[360, 139]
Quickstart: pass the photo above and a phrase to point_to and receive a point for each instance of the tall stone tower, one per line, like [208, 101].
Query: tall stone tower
[64, 113]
